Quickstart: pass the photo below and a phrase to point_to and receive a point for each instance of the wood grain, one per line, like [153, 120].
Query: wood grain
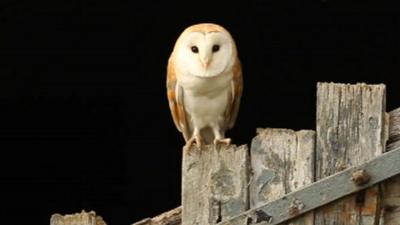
[391, 200]
[282, 161]
[391, 188]
[83, 218]
[172, 217]
[351, 129]
[214, 183]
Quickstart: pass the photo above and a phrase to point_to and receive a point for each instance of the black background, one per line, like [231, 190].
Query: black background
[84, 121]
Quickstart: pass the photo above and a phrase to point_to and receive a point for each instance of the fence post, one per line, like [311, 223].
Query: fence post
[351, 129]
[282, 161]
[83, 218]
[214, 183]
[391, 188]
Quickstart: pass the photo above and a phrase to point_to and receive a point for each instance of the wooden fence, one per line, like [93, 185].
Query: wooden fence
[305, 171]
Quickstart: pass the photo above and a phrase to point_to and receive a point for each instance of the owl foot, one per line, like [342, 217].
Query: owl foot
[226, 141]
[195, 139]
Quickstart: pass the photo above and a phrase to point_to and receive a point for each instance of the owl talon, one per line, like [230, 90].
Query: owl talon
[194, 139]
[226, 141]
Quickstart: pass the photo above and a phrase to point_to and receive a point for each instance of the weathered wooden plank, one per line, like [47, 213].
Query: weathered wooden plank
[83, 218]
[391, 197]
[214, 183]
[324, 191]
[394, 127]
[391, 188]
[282, 161]
[350, 130]
[172, 217]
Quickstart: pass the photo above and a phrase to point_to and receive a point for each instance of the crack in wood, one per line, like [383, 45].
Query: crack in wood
[360, 198]
[219, 212]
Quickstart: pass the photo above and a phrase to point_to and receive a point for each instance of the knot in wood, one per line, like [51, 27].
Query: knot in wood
[295, 207]
[360, 177]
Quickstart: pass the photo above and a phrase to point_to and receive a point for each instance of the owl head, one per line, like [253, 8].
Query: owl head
[204, 50]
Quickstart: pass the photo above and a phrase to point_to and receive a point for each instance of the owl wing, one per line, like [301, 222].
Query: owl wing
[175, 100]
[236, 94]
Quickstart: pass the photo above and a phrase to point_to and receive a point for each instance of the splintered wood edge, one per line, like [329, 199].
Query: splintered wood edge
[58, 219]
[172, 217]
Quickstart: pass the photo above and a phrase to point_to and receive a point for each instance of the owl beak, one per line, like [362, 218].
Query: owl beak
[205, 62]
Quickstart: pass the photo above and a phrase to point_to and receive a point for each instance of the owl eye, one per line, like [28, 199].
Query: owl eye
[194, 49]
[215, 48]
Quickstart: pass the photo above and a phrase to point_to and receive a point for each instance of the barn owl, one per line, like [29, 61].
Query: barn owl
[204, 84]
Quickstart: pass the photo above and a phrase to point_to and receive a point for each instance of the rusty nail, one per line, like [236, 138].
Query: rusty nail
[295, 207]
[360, 177]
